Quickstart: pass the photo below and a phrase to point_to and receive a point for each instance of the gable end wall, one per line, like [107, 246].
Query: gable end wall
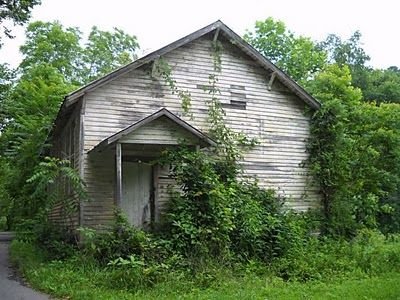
[274, 117]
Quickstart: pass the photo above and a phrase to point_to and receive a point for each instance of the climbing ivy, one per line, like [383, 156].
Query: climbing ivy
[163, 69]
[230, 144]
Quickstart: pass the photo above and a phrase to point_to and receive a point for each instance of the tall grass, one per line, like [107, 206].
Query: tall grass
[367, 267]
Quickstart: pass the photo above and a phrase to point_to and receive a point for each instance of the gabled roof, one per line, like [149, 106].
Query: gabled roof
[161, 113]
[223, 29]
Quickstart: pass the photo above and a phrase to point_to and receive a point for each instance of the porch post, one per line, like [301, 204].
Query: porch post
[118, 164]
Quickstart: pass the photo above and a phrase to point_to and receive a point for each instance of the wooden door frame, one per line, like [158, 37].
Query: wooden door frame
[154, 193]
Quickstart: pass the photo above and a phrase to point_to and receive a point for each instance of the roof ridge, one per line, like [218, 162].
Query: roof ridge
[235, 38]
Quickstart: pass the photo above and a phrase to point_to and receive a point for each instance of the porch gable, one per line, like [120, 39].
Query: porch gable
[160, 128]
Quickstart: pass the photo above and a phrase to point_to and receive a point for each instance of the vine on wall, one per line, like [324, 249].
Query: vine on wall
[163, 69]
[230, 144]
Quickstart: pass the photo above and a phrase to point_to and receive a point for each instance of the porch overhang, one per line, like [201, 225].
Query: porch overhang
[160, 128]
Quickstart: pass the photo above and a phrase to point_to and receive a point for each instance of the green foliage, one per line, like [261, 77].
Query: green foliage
[28, 112]
[299, 56]
[50, 43]
[354, 153]
[219, 223]
[106, 51]
[348, 52]
[163, 69]
[330, 147]
[354, 146]
[118, 243]
[201, 219]
[376, 85]
[381, 86]
[370, 253]
[7, 77]
[55, 241]
[30, 215]
[132, 258]
[218, 216]
[54, 64]
[48, 172]
[16, 11]
[322, 269]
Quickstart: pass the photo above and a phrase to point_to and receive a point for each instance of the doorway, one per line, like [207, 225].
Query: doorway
[137, 187]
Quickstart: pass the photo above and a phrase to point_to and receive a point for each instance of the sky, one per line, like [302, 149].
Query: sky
[157, 23]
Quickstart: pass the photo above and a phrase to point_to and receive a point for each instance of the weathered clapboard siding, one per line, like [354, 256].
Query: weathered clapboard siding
[163, 184]
[274, 117]
[98, 212]
[162, 131]
[66, 146]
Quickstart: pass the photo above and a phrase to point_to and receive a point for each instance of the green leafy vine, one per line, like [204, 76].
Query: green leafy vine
[163, 69]
[230, 144]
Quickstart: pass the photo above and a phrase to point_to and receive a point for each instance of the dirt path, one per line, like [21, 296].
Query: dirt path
[10, 289]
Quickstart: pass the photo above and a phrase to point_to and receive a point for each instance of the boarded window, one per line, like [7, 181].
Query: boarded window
[235, 104]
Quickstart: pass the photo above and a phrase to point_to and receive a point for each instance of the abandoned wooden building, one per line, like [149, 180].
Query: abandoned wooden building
[111, 128]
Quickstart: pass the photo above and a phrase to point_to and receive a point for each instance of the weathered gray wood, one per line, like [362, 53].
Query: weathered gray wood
[271, 80]
[216, 26]
[161, 131]
[81, 156]
[118, 162]
[216, 35]
[275, 118]
[180, 125]
[137, 184]
[66, 146]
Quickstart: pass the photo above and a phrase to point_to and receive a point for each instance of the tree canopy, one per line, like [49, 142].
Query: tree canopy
[55, 62]
[299, 56]
[16, 11]
[355, 140]
[79, 62]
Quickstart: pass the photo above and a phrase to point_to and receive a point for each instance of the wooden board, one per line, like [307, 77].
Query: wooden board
[136, 192]
[275, 117]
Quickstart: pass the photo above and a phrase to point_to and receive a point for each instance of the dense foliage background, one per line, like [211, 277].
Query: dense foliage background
[218, 216]
[56, 60]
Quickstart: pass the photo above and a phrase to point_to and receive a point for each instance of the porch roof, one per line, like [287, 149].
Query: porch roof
[125, 135]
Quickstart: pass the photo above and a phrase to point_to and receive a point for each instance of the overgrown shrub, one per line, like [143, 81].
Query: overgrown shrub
[58, 242]
[121, 241]
[218, 216]
[199, 219]
[133, 258]
[354, 156]
[369, 253]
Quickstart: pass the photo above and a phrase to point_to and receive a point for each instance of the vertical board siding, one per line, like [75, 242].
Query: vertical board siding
[274, 117]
